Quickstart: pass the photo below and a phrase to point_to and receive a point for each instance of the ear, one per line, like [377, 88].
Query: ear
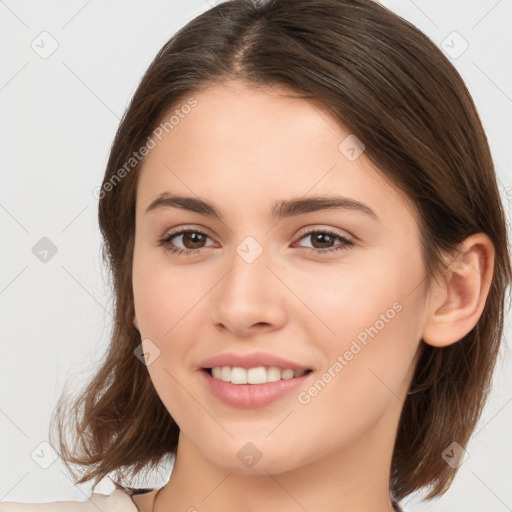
[135, 323]
[457, 303]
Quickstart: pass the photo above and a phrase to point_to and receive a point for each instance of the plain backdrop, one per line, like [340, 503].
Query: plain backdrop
[68, 71]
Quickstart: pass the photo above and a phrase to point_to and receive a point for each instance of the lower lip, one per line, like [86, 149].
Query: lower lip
[251, 395]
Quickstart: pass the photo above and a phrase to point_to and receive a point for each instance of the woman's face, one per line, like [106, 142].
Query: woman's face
[255, 282]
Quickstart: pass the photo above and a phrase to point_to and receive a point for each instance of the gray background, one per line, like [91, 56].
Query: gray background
[59, 116]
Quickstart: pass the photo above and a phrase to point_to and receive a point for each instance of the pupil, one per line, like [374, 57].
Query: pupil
[196, 236]
[319, 237]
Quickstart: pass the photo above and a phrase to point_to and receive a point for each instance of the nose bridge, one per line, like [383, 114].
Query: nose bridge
[249, 293]
[249, 276]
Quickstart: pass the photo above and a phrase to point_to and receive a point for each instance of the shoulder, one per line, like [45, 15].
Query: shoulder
[117, 501]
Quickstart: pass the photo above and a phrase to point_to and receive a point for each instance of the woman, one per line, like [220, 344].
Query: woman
[310, 259]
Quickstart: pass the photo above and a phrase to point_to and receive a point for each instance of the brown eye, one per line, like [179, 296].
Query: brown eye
[192, 241]
[322, 241]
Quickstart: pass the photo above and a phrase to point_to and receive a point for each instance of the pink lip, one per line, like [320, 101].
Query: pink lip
[250, 360]
[250, 395]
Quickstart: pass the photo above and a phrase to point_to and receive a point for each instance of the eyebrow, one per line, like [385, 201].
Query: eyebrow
[280, 209]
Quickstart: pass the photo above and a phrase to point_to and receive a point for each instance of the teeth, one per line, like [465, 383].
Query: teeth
[254, 375]
[238, 375]
[257, 375]
[225, 373]
[287, 374]
[273, 374]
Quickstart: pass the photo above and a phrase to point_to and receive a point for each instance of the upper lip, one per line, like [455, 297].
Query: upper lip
[251, 360]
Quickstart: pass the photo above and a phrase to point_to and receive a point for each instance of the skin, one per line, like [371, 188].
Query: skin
[243, 149]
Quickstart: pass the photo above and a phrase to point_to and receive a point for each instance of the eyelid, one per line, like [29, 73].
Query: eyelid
[316, 227]
[186, 227]
[347, 241]
[181, 230]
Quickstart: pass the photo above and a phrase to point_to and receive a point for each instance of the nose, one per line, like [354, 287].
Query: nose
[250, 297]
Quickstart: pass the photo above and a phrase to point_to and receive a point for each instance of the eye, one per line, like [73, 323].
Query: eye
[190, 237]
[194, 240]
[327, 237]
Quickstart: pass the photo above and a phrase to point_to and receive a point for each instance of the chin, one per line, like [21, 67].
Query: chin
[251, 460]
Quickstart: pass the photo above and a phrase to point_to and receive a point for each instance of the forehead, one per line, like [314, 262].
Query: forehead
[232, 120]
[252, 143]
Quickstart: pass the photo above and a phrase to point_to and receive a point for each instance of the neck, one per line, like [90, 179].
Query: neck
[350, 479]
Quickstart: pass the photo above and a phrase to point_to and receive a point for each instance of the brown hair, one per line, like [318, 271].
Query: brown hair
[391, 86]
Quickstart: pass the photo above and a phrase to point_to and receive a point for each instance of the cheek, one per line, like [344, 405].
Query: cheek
[371, 322]
[349, 297]
[362, 381]
[166, 299]
[163, 293]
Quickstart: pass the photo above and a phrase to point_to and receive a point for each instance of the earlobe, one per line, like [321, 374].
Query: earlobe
[135, 323]
[458, 302]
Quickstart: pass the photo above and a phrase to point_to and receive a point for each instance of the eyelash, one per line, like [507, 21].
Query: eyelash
[165, 241]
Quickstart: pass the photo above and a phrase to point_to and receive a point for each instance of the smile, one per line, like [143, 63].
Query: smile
[252, 387]
[256, 375]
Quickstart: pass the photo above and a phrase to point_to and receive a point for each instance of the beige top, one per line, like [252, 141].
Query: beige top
[117, 501]
[120, 500]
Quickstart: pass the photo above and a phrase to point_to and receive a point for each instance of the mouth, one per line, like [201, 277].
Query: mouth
[255, 375]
